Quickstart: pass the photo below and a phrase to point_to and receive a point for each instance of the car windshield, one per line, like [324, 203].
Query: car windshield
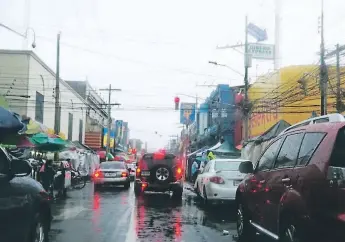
[225, 165]
[112, 165]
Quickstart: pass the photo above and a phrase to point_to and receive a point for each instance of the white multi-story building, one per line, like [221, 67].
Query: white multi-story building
[28, 85]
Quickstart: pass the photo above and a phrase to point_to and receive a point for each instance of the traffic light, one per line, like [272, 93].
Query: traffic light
[177, 103]
[303, 85]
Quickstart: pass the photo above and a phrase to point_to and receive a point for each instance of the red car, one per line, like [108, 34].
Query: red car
[296, 190]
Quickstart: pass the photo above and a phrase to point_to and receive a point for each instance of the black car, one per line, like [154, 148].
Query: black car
[159, 172]
[25, 213]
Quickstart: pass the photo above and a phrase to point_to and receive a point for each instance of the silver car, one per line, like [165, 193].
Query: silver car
[111, 173]
[219, 180]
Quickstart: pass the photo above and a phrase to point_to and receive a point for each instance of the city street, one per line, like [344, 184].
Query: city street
[116, 215]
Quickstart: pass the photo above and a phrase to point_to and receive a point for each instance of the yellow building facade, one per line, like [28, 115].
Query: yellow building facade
[291, 94]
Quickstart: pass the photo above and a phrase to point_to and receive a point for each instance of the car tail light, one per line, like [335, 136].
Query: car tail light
[138, 172]
[217, 180]
[98, 174]
[179, 171]
[124, 174]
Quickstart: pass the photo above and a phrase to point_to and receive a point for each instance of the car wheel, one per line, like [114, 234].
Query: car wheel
[177, 193]
[127, 185]
[39, 231]
[245, 231]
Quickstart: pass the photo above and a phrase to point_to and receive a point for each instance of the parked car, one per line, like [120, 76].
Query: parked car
[296, 190]
[25, 212]
[159, 172]
[219, 180]
[111, 173]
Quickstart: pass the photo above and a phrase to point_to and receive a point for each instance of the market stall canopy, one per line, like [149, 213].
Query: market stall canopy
[25, 142]
[45, 142]
[216, 146]
[82, 146]
[34, 127]
[10, 123]
[272, 132]
[225, 148]
[197, 151]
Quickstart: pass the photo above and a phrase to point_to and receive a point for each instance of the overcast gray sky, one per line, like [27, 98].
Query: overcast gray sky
[156, 49]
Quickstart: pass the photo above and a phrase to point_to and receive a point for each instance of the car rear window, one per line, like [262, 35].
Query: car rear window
[112, 165]
[227, 165]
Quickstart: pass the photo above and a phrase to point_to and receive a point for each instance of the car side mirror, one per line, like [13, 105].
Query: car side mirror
[246, 167]
[20, 168]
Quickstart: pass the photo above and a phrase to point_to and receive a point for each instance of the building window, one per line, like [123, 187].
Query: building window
[70, 126]
[81, 131]
[39, 108]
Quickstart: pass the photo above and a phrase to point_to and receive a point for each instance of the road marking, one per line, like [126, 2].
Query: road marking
[131, 234]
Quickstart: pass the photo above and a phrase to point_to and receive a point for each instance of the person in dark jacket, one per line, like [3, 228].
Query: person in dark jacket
[47, 176]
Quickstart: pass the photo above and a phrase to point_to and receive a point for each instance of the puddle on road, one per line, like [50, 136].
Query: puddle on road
[162, 217]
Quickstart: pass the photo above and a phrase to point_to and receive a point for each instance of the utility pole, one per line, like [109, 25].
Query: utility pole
[323, 67]
[57, 88]
[338, 102]
[246, 86]
[109, 90]
[57, 94]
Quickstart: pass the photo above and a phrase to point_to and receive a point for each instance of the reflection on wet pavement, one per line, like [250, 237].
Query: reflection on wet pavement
[117, 215]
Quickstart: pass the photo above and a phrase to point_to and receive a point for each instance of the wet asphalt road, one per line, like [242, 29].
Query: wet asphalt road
[117, 215]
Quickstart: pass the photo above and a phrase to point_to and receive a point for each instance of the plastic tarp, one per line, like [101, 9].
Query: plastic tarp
[197, 151]
[85, 162]
[254, 147]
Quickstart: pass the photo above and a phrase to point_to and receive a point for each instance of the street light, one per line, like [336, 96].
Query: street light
[217, 64]
[25, 35]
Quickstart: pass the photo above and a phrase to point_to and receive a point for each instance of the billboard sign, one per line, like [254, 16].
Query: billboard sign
[187, 113]
[105, 138]
[261, 51]
[256, 32]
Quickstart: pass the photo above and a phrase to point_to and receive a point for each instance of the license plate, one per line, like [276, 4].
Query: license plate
[145, 173]
[110, 175]
[236, 183]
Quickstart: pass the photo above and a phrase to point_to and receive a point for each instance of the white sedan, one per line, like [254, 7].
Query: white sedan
[219, 180]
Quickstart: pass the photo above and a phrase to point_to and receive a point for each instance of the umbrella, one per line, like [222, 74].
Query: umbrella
[10, 123]
[34, 127]
[45, 142]
[25, 142]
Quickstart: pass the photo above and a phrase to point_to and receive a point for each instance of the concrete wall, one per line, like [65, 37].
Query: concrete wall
[41, 79]
[14, 69]
[23, 73]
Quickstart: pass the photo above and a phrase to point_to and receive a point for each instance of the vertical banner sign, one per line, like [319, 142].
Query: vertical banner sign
[105, 137]
[187, 113]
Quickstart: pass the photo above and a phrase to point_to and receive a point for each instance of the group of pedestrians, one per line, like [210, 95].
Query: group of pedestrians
[47, 176]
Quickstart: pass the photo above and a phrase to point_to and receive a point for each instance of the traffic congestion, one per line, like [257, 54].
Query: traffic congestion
[172, 121]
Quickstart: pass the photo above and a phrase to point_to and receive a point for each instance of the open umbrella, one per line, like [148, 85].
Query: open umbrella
[10, 123]
[45, 142]
[34, 127]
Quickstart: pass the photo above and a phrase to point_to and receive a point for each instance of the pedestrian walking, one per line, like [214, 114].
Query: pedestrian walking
[47, 174]
[195, 168]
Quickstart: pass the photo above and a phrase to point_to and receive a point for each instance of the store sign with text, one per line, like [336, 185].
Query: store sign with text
[264, 115]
